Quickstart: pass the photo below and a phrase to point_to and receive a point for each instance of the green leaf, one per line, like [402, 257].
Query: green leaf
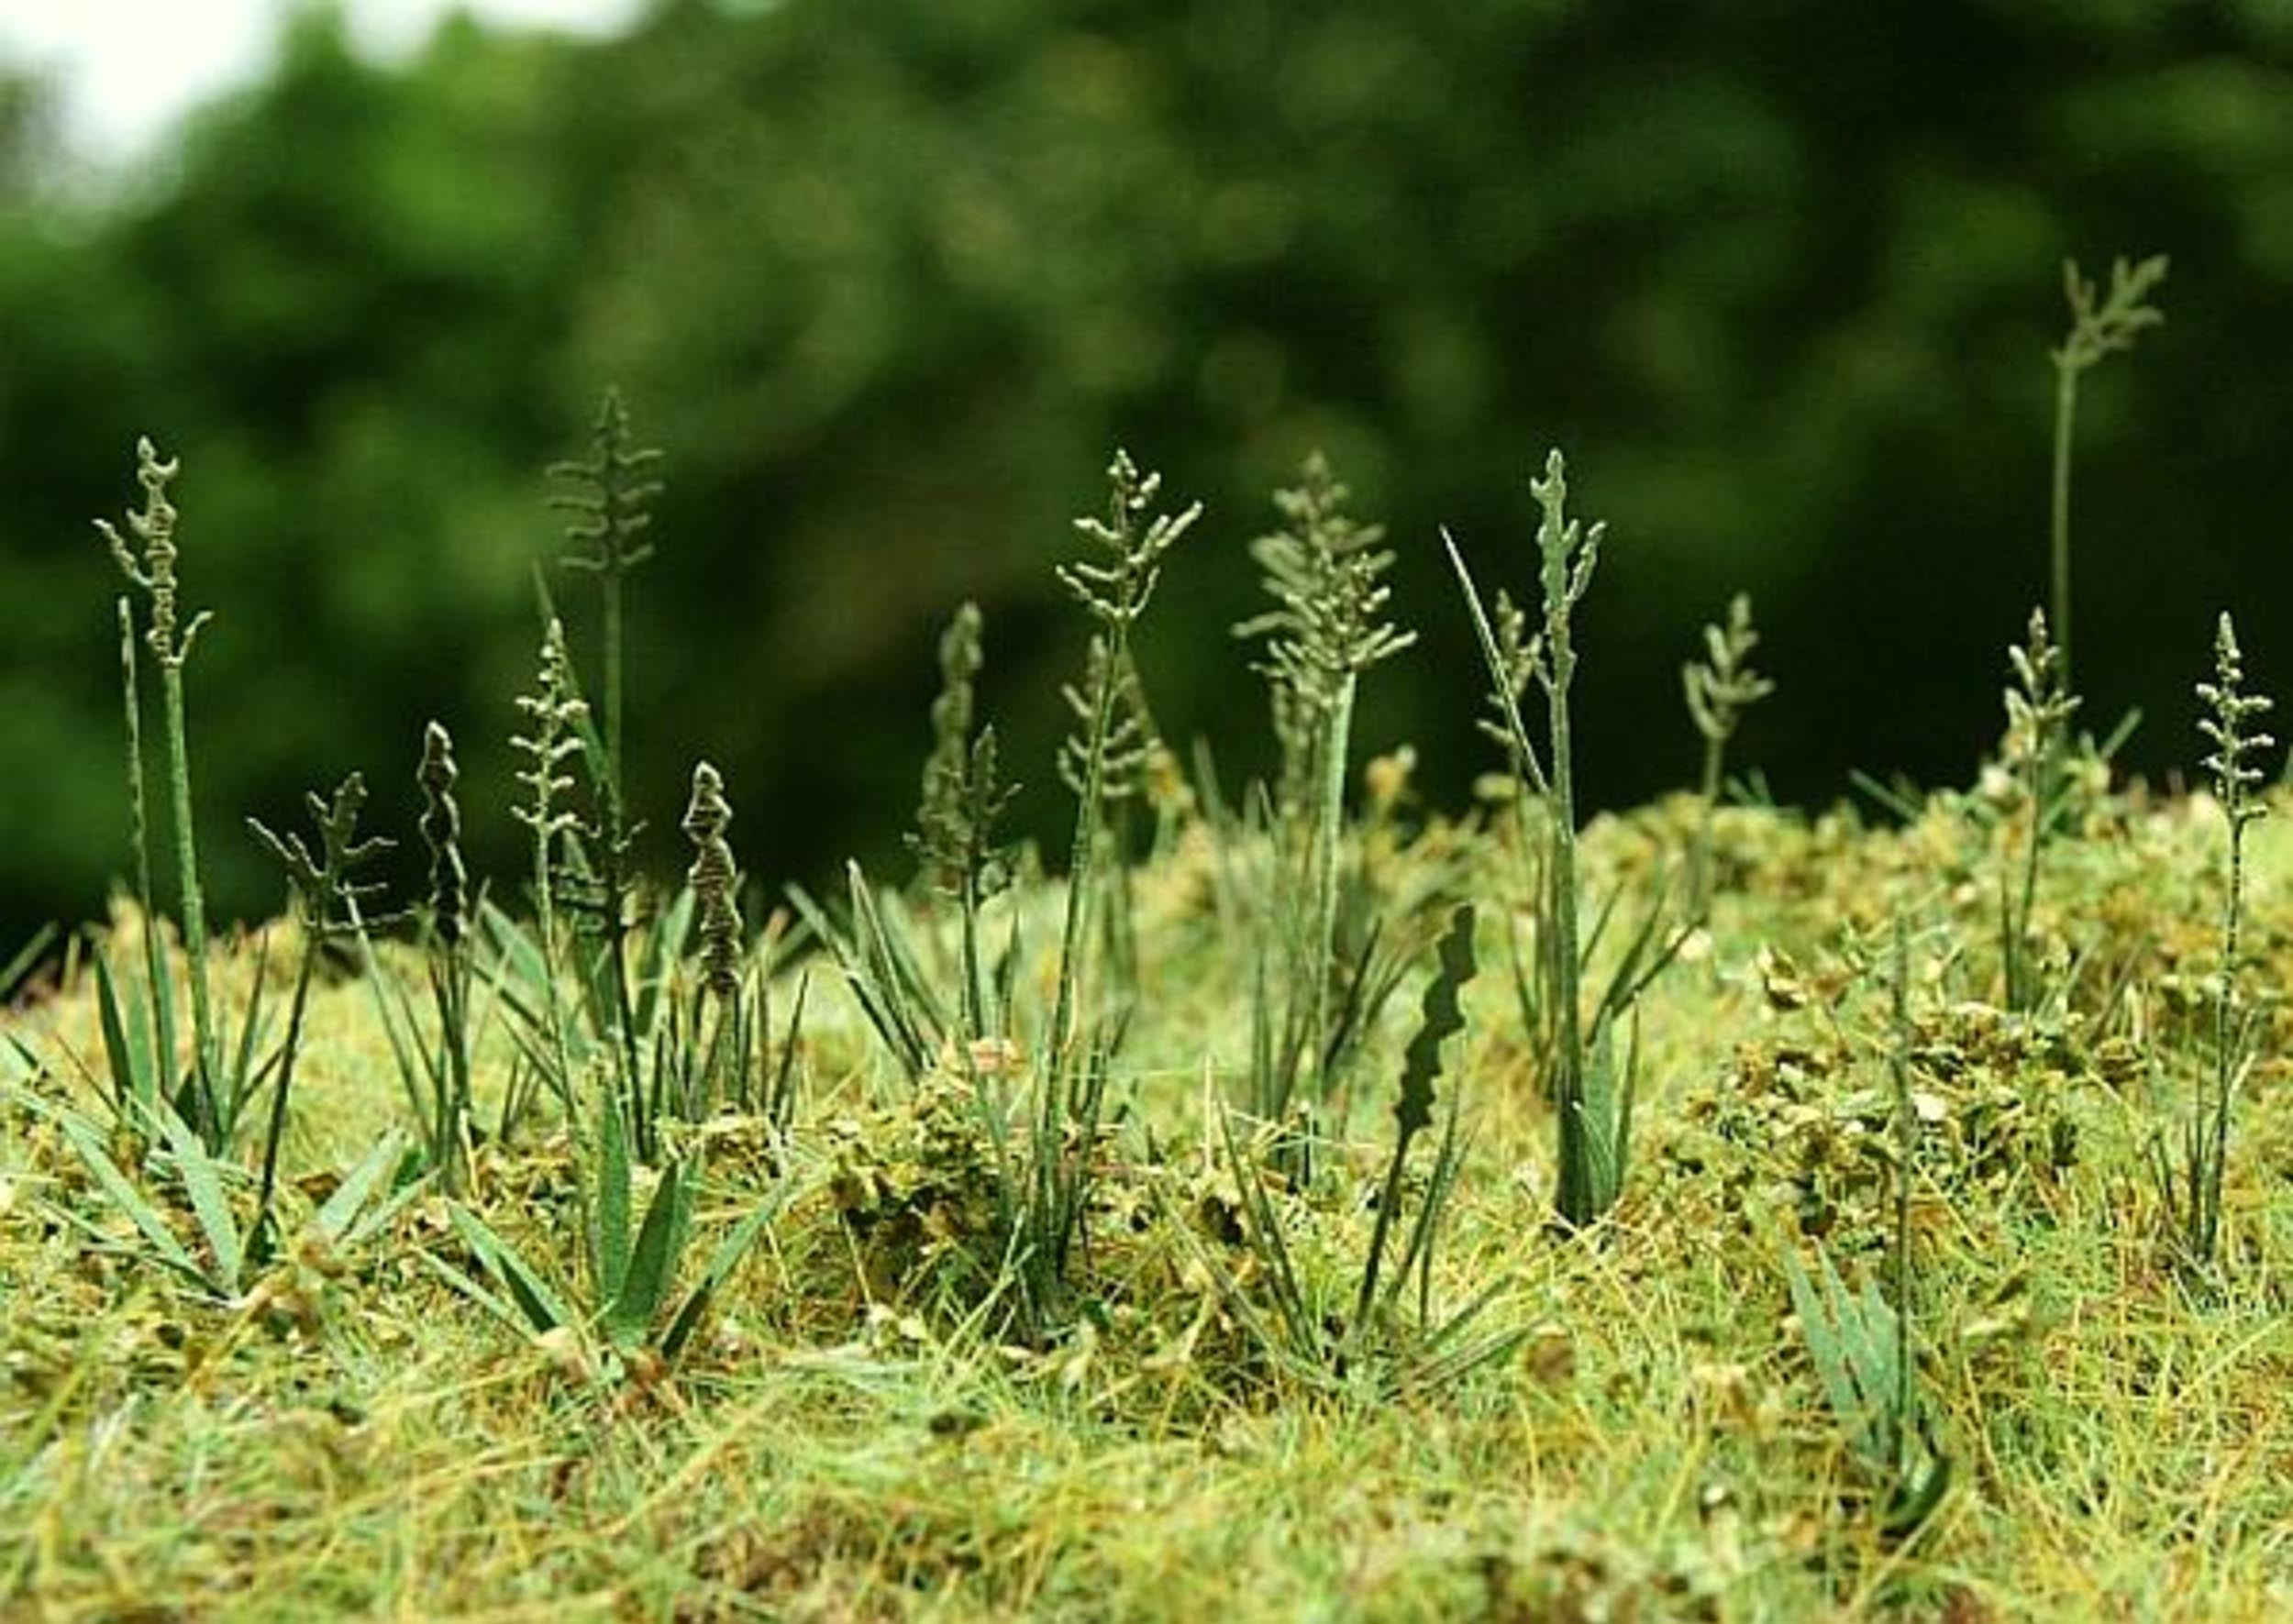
[342, 1208]
[653, 1262]
[613, 1177]
[203, 1183]
[1441, 1019]
[17, 969]
[722, 1263]
[130, 1062]
[544, 1310]
[83, 1139]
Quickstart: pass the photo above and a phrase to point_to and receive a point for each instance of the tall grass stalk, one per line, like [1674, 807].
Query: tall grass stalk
[1114, 593]
[2039, 708]
[2100, 325]
[2228, 724]
[611, 489]
[158, 983]
[1594, 1110]
[446, 1126]
[1327, 628]
[152, 570]
[715, 881]
[554, 714]
[963, 799]
[1718, 689]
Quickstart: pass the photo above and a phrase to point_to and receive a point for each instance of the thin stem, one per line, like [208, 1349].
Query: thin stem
[610, 580]
[1337, 731]
[1080, 859]
[2065, 415]
[1699, 854]
[286, 1081]
[155, 970]
[219, 1117]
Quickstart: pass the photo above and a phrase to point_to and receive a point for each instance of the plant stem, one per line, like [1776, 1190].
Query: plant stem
[1576, 1197]
[1336, 732]
[286, 1081]
[219, 1117]
[162, 1002]
[1699, 854]
[610, 581]
[2065, 416]
[1081, 858]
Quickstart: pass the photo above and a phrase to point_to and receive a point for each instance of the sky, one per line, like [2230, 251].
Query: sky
[128, 68]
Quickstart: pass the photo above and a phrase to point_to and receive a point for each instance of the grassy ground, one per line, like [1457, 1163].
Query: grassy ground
[855, 1435]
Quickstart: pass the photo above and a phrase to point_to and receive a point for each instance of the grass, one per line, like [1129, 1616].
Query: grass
[980, 1289]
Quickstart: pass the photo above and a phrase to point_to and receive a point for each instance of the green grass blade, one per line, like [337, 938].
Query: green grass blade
[203, 1183]
[726, 1258]
[653, 1260]
[341, 1210]
[27, 956]
[133, 1088]
[543, 1310]
[123, 1194]
[611, 1245]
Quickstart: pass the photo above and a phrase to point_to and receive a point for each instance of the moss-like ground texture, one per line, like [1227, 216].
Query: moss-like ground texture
[857, 1434]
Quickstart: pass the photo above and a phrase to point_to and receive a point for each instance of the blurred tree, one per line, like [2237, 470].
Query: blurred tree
[889, 278]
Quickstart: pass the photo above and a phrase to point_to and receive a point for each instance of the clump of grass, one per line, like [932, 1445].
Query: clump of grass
[1318, 1342]
[2193, 1195]
[327, 905]
[1592, 1099]
[1719, 689]
[1324, 571]
[1862, 1345]
[149, 564]
[2101, 326]
[2039, 707]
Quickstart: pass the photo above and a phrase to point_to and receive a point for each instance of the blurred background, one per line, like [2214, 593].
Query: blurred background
[888, 279]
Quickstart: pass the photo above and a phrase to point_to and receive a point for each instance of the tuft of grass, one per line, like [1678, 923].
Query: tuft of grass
[149, 564]
[1591, 1097]
[2101, 324]
[1328, 627]
[1861, 1345]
